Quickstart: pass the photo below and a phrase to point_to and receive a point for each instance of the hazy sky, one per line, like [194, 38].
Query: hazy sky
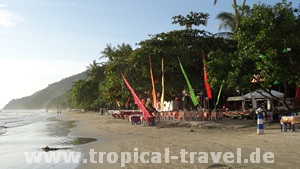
[44, 41]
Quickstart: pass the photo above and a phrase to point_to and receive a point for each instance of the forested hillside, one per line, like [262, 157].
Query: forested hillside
[41, 99]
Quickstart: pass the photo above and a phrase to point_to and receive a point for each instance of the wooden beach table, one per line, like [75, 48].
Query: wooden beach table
[292, 120]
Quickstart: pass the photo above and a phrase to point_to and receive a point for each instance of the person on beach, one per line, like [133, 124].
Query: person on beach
[150, 107]
[176, 104]
[260, 110]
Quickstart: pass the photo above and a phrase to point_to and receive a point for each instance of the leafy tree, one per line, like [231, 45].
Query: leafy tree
[112, 88]
[108, 53]
[81, 94]
[94, 72]
[187, 45]
[85, 93]
[263, 38]
[193, 18]
[61, 102]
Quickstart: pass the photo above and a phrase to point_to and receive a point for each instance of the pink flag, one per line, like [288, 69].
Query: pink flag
[136, 99]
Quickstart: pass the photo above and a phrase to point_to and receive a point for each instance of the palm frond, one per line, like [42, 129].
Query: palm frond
[215, 2]
[228, 21]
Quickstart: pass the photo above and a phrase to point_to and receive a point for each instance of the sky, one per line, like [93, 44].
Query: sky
[45, 41]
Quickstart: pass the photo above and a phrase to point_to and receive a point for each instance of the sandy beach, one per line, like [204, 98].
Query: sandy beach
[237, 137]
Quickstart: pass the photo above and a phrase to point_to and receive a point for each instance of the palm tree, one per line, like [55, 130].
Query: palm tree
[124, 49]
[93, 72]
[230, 21]
[108, 52]
[215, 2]
[113, 53]
[234, 2]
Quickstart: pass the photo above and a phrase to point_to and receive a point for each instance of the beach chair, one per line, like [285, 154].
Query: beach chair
[220, 116]
[162, 116]
[180, 117]
[193, 115]
[170, 116]
[187, 116]
[144, 121]
[199, 116]
[176, 115]
[151, 121]
[126, 118]
[213, 116]
[206, 116]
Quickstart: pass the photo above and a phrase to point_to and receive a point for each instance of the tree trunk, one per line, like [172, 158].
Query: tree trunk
[285, 105]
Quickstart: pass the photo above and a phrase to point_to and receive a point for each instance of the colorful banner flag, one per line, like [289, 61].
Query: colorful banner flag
[118, 103]
[136, 99]
[162, 86]
[219, 95]
[127, 103]
[153, 85]
[192, 93]
[297, 96]
[207, 87]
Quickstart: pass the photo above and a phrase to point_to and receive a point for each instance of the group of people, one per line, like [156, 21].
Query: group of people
[58, 111]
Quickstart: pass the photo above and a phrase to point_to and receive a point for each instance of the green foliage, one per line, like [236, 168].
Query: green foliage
[113, 89]
[187, 44]
[194, 18]
[254, 51]
[231, 20]
[261, 38]
[267, 31]
[61, 102]
[85, 93]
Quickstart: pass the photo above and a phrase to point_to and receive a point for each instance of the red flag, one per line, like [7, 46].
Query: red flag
[297, 96]
[207, 87]
[137, 100]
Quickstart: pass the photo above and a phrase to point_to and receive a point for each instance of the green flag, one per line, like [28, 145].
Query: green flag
[192, 94]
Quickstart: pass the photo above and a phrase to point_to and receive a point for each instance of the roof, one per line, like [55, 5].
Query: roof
[257, 95]
[235, 98]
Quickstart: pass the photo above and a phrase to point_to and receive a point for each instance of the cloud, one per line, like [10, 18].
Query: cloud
[8, 19]
[3, 6]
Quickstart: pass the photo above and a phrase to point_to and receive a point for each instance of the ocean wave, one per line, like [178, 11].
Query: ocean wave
[2, 128]
[19, 118]
[2, 131]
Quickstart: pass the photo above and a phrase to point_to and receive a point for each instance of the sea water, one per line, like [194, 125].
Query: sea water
[29, 131]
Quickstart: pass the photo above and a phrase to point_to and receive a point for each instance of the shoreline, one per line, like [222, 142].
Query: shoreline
[114, 135]
[105, 142]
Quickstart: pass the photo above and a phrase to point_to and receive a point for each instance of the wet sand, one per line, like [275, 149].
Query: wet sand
[237, 137]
